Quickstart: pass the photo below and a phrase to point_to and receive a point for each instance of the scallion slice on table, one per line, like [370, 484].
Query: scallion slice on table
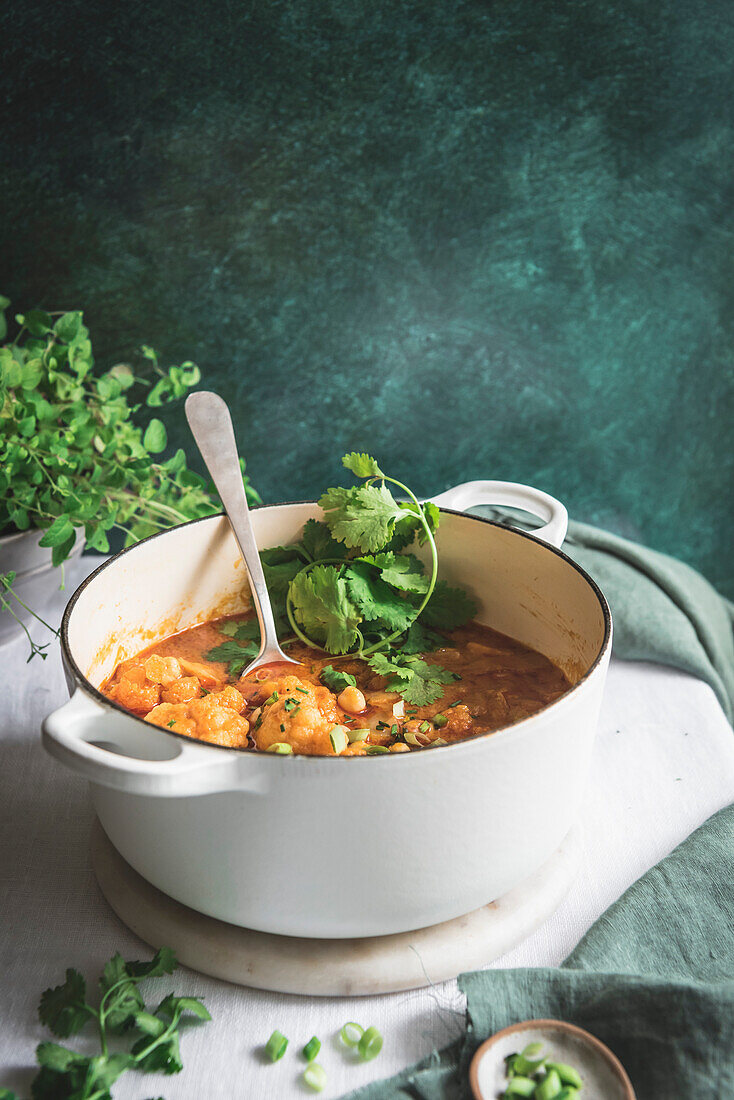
[315, 1077]
[351, 1033]
[370, 1044]
[311, 1049]
[276, 1046]
[281, 747]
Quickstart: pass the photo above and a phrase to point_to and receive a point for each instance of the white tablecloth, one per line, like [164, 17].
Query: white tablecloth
[663, 763]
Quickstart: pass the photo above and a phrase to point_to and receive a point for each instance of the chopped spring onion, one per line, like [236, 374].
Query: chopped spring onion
[523, 1064]
[311, 1049]
[393, 731]
[520, 1086]
[424, 727]
[351, 1033]
[315, 1077]
[567, 1074]
[418, 739]
[358, 735]
[290, 703]
[375, 750]
[531, 1050]
[281, 747]
[370, 1044]
[549, 1087]
[440, 720]
[303, 691]
[339, 737]
[438, 741]
[271, 698]
[567, 1093]
[275, 1046]
[456, 704]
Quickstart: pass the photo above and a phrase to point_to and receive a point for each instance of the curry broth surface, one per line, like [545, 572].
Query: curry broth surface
[173, 685]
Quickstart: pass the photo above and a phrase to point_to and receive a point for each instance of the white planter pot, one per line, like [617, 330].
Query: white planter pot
[336, 846]
[36, 581]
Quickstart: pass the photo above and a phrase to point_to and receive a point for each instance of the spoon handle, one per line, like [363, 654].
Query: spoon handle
[211, 427]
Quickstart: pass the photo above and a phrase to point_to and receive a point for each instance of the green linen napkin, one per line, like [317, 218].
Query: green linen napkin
[654, 977]
[662, 609]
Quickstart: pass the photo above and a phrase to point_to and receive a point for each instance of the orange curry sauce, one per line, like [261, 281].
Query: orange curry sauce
[173, 685]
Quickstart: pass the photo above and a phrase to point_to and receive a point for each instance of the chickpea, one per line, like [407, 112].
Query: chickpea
[351, 700]
[399, 746]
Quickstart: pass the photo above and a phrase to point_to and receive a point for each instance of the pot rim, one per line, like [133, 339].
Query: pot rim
[83, 682]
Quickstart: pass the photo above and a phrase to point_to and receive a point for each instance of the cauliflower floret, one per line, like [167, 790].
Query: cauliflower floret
[302, 716]
[182, 691]
[134, 691]
[162, 670]
[172, 716]
[215, 718]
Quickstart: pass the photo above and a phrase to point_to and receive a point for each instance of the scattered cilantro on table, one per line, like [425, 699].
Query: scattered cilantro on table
[349, 588]
[152, 1034]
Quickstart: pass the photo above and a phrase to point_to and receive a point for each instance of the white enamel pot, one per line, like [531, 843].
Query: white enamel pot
[332, 846]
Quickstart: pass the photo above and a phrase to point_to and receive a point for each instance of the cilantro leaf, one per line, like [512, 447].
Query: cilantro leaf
[164, 1058]
[125, 1001]
[363, 465]
[375, 599]
[163, 962]
[418, 681]
[58, 1058]
[420, 639]
[247, 631]
[335, 680]
[236, 655]
[403, 571]
[63, 1008]
[409, 525]
[363, 517]
[448, 607]
[318, 543]
[322, 606]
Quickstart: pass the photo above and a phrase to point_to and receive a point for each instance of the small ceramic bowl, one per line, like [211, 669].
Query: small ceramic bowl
[601, 1071]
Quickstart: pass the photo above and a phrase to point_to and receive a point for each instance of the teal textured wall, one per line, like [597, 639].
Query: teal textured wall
[479, 239]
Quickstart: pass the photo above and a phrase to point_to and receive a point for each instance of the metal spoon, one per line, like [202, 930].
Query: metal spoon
[211, 427]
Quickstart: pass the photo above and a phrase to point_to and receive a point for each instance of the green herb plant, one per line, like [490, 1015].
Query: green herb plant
[77, 457]
[350, 587]
[150, 1034]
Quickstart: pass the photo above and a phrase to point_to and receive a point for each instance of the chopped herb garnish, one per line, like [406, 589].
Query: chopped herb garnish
[304, 691]
[456, 704]
[290, 703]
[171, 723]
[282, 728]
[393, 731]
[424, 727]
[271, 699]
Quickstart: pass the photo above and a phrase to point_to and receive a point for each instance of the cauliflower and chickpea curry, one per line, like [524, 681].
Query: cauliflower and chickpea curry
[390, 659]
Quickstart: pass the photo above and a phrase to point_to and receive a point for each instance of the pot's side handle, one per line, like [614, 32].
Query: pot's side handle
[513, 495]
[108, 748]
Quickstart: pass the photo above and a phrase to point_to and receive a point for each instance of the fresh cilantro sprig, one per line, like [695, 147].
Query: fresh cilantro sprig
[337, 606]
[65, 1074]
[350, 588]
[78, 457]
